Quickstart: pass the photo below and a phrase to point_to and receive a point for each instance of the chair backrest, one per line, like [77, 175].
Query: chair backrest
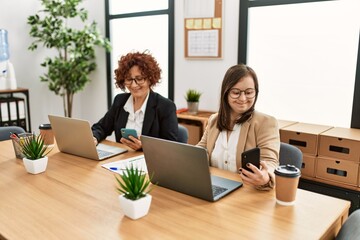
[350, 230]
[183, 134]
[290, 154]
[5, 131]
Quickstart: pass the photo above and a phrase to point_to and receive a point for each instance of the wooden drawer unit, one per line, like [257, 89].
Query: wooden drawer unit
[304, 136]
[308, 166]
[285, 123]
[343, 143]
[194, 133]
[195, 123]
[342, 171]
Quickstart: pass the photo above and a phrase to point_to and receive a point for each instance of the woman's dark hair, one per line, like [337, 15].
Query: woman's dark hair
[149, 68]
[232, 76]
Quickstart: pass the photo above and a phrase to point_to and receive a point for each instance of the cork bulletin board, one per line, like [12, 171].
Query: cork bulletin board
[203, 28]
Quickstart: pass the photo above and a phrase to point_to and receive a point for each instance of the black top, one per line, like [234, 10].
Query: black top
[160, 118]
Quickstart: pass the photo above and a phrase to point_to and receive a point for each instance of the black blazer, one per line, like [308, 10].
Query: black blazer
[160, 118]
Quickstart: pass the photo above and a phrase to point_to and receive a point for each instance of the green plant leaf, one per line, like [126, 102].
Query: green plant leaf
[68, 71]
[133, 183]
[33, 147]
[192, 95]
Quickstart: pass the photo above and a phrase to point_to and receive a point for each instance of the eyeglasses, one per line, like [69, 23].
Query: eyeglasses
[139, 80]
[235, 93]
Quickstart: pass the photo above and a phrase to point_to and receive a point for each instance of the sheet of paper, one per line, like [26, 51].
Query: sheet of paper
[207, 23]
[198, 24]
[189, 23]
[120, 166]
[217, 23]
[203, 43]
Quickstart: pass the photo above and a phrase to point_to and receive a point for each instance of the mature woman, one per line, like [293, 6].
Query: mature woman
[237, 127]
[141, 109]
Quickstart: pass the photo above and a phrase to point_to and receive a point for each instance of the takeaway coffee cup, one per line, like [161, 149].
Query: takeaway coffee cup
[287, 180]
[47, 133]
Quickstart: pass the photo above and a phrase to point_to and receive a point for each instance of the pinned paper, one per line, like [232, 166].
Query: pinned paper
[189, 23]
[207, 23]
[217, 23]
[198, 24]
[203, 43]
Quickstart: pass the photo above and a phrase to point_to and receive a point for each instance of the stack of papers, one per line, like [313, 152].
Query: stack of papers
[120, 166]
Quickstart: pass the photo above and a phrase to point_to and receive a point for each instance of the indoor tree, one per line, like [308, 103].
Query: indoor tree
[68, 71]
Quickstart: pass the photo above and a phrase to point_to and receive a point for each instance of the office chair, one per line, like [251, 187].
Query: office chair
[290, 154]
[350, 230]
[183, 134]
[5, 131]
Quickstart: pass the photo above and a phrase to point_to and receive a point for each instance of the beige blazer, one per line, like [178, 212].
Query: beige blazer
[260, 130]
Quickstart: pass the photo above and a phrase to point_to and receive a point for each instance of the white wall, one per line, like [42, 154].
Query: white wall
[205, 75]
[91, 104]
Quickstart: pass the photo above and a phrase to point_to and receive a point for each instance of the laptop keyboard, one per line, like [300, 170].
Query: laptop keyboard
[103, 153]
[217, 190]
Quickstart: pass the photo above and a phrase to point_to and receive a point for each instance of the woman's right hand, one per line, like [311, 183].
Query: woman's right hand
[258, 177]
[134, 143]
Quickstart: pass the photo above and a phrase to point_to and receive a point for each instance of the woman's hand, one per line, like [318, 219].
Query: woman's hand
[258, 177]
[134, 143]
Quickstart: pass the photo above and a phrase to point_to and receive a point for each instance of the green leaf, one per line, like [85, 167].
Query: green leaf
[68, 71]
[192, 95]
[33, 147]
[133, 183]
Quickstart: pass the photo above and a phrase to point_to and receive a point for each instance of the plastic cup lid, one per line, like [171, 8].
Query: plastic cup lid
[45, 126]
[287, 171]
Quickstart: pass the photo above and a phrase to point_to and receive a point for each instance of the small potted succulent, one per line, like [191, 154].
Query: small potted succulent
[34, 151]
[134, 188]
[192, 97]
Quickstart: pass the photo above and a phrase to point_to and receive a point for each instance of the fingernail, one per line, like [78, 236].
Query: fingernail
[248, 164]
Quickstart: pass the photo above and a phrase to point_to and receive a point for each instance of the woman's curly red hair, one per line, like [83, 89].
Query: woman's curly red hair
[149, 68]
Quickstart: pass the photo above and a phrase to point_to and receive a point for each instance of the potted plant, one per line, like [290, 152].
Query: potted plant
[67, 71]
[134, 188]
[192, 97]
[34, 151]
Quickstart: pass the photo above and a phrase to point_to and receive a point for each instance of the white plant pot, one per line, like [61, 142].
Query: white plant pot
[135, 209]
[35, 166]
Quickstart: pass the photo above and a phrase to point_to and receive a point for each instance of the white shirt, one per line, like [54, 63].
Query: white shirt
[135, 119]
[224, 153]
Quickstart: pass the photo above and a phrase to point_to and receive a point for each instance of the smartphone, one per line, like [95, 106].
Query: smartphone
[126, 132]
[250, 156]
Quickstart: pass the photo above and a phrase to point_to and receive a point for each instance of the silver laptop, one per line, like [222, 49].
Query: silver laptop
[184, 168]
[74, 136]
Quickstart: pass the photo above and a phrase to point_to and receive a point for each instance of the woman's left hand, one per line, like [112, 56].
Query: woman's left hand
[258, 177]
[134, 143]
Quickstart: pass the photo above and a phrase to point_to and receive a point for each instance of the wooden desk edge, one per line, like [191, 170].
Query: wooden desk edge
[334, 229]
